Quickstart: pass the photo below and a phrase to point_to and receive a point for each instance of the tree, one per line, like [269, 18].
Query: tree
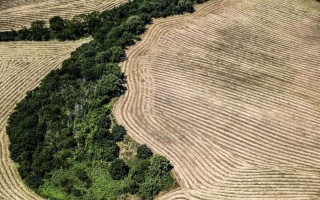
[131, 188]
[67, 184]
[118, 132]
[139, 170]
[159, 166]
[101, 134]
[117, 53]
[82, 175]
[39, 31]
[118, 169]
[57, 24]
[144, 152]
[159, 171]
[111, 151]
[185, 6]
[149, 189]
[93, 21]
[24, 34]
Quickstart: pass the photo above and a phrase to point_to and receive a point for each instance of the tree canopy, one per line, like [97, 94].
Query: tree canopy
[118, 169]
[144, 152]
[62, 134]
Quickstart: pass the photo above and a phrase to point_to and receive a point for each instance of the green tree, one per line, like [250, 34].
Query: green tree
[82, 175]
[144, 152]
[185, 6]
[93, 21]
[57, 24]
[118, 132]
[118, 169]
[39, 31]
[117, 53]
[149, 189]
[139, 170]
[67, 184]
[159, 166]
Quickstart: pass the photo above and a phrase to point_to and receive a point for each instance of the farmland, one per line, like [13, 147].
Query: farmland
[22, 66]
[62, 134]
[230, 94]
[17, 13]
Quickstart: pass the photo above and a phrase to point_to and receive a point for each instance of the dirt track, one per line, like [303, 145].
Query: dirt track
[22, 66]
[18, 13]
[230, 94]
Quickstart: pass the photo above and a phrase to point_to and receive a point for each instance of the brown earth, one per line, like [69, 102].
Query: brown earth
[230, 94]
[17, 13]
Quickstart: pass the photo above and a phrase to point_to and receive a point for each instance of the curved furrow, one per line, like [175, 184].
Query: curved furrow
[230, 95]
[16, 15]
[177, 194]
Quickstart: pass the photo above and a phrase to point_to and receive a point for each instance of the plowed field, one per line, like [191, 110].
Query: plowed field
[17, 13]
[231, 95]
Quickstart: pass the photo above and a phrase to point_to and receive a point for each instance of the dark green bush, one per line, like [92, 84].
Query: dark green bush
[57, 24]
[144, 152]
[118, 169]
[139, 170]
[149, 189]
[118, 132]
[159, 166]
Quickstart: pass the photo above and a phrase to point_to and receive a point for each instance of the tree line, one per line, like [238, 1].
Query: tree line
[62, 134]
[88, 24]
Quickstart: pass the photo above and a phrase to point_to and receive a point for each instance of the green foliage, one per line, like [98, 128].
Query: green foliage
[144, 152]
[185, 6]
[159, 166]
[149, 189]
[104, 187]
[57, 24]
[118, 169]
[132, 16]
[118, 132]
[139, 170]
[62, 130]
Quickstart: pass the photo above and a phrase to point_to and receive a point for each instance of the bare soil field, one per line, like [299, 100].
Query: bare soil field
[5, 4]
[230, 94]
[17, 13]
[22, 66]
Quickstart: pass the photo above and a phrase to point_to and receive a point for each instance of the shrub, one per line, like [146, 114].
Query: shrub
[139, 171]
[67, 184]
[149, 189]
[144, 152]
[82, 175]
[159, 166]
[118, 132]
[57, 24]
[118, 169]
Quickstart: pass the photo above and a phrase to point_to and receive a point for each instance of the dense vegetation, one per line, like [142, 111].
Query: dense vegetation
[97, 23]
[62, 134]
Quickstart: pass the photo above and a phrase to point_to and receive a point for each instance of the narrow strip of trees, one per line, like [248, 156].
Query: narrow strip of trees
[88, 24]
